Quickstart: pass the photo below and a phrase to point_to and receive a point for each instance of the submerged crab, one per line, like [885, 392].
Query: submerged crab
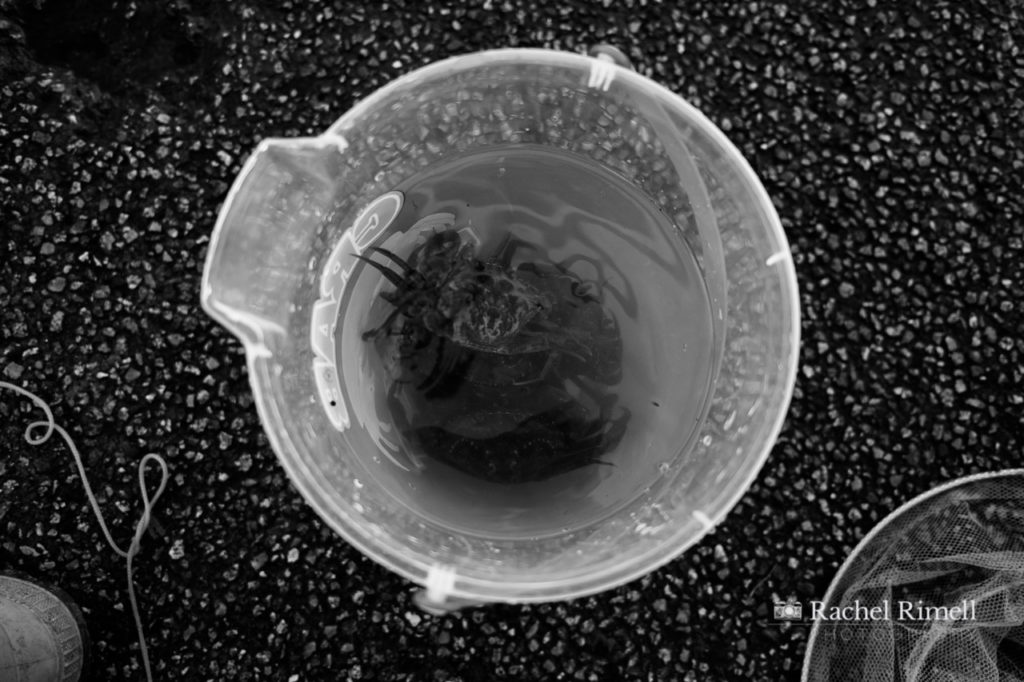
[528, 447]
[484, 305]
[530, 434]
[482, 353]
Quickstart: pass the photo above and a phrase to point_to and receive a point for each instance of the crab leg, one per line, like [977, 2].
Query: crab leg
[548, 365]
[558, 339]
[406, 268]
[374, 333]
[389, 275]
[508, 247]
[448, 359]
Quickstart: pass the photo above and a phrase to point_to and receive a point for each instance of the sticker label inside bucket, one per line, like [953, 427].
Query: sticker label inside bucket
[365, 230]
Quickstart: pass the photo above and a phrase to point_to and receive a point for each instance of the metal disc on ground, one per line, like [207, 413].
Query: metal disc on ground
[42, 634]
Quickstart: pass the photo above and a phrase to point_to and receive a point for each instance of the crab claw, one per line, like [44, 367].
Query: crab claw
[406, 268]
[389, 275]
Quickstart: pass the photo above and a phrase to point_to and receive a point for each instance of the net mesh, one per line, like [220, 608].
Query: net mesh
[934, 594]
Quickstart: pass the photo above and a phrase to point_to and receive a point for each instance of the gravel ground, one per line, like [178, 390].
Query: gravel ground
[889, 138]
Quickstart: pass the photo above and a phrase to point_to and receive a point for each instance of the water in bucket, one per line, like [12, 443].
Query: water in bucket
[606, 218]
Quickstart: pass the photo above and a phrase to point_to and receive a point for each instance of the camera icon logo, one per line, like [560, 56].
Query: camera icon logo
[788, 611]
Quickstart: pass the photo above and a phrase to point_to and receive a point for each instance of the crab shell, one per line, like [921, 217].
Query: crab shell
[518, 434]
[529, 448]
[489, 306]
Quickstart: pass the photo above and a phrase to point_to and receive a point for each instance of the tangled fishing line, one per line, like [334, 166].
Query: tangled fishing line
[50, 425]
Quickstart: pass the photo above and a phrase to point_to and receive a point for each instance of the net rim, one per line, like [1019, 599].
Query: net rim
[812, 639]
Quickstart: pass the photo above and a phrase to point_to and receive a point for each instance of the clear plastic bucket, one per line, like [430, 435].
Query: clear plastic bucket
[277, 275]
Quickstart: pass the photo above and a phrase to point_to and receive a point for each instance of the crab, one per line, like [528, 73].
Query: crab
[528, 434]
[483, 305]
[467, 332]
[530, 447]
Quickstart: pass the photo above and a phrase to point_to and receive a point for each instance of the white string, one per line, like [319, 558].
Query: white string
[147, 504]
